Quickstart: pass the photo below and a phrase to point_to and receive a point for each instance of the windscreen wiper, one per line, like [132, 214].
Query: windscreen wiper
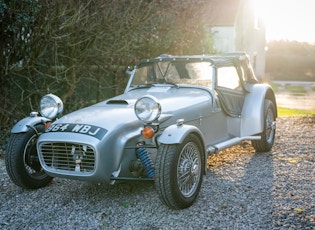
[143, 85]
[170, 83]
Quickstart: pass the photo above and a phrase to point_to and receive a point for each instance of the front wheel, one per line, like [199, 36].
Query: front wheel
[268, 135]
[179, 171]
[22, 161]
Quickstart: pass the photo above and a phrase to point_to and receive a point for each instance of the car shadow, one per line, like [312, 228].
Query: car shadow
[239, 181]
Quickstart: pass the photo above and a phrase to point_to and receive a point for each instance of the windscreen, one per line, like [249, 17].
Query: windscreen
[195, 73]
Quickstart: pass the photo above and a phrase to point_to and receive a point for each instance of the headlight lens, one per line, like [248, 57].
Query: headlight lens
[147, 109]
[50, 106]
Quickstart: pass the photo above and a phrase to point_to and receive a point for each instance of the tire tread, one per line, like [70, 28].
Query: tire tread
[15, 163]
[262, 145]
[166, 169]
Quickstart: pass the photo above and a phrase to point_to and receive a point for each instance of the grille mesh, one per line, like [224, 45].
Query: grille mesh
[68, 156]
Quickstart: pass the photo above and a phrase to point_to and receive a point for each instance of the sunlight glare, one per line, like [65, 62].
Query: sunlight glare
[287, 19]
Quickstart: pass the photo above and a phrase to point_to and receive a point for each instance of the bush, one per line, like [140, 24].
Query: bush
[79, 49]
[291, 61]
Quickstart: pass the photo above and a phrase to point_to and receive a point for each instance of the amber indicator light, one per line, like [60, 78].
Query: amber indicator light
[147, 132]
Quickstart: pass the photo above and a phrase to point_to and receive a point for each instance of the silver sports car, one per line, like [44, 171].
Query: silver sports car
[174, 111]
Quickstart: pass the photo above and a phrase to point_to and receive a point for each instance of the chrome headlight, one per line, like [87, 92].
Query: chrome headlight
[50, 106]
[147, 109]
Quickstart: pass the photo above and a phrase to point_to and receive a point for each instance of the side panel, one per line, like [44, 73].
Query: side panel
[214, 128]
[234, 126]
[252, 121]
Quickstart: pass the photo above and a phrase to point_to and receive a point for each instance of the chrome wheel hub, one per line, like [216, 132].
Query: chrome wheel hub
[270, 126]
[188, 170]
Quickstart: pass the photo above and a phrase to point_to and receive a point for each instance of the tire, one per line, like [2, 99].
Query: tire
[185, 160]
[268, 135]
[21, 160]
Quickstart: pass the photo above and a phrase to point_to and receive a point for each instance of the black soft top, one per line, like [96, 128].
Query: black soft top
[215, 59]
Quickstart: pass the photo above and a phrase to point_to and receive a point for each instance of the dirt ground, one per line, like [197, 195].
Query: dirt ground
[287, 99]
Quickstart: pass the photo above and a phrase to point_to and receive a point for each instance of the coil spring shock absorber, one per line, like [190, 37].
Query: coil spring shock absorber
[145, 159]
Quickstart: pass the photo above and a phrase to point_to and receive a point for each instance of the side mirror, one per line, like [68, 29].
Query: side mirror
[128, 71]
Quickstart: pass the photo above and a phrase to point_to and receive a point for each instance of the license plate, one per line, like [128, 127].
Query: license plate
[90, 130]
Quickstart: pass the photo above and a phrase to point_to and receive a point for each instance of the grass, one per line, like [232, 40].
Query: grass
[296, 89]
[285, 112]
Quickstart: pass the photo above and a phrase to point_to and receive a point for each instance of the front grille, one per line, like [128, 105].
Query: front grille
[68, 156]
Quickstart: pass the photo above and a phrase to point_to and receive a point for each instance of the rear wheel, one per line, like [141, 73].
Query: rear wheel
[22, 161]
[179, 170]
[268, 135]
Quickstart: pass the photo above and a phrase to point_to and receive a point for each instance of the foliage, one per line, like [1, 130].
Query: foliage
[78, 49]
[287, 47]
[290, 60]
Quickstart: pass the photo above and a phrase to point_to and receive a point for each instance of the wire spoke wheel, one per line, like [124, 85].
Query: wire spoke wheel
[188, 169]
[270, 126]
[178, 172]
[268, 134]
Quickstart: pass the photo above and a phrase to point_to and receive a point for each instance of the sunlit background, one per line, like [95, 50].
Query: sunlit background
[61, 46]
[288, 19]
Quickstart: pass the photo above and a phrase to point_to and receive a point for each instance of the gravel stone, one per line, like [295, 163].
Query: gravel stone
[242, 190]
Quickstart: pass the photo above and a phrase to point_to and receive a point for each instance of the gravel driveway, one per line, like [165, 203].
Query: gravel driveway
[242, 190]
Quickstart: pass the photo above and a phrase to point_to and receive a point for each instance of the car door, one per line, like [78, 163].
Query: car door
[230, 90]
